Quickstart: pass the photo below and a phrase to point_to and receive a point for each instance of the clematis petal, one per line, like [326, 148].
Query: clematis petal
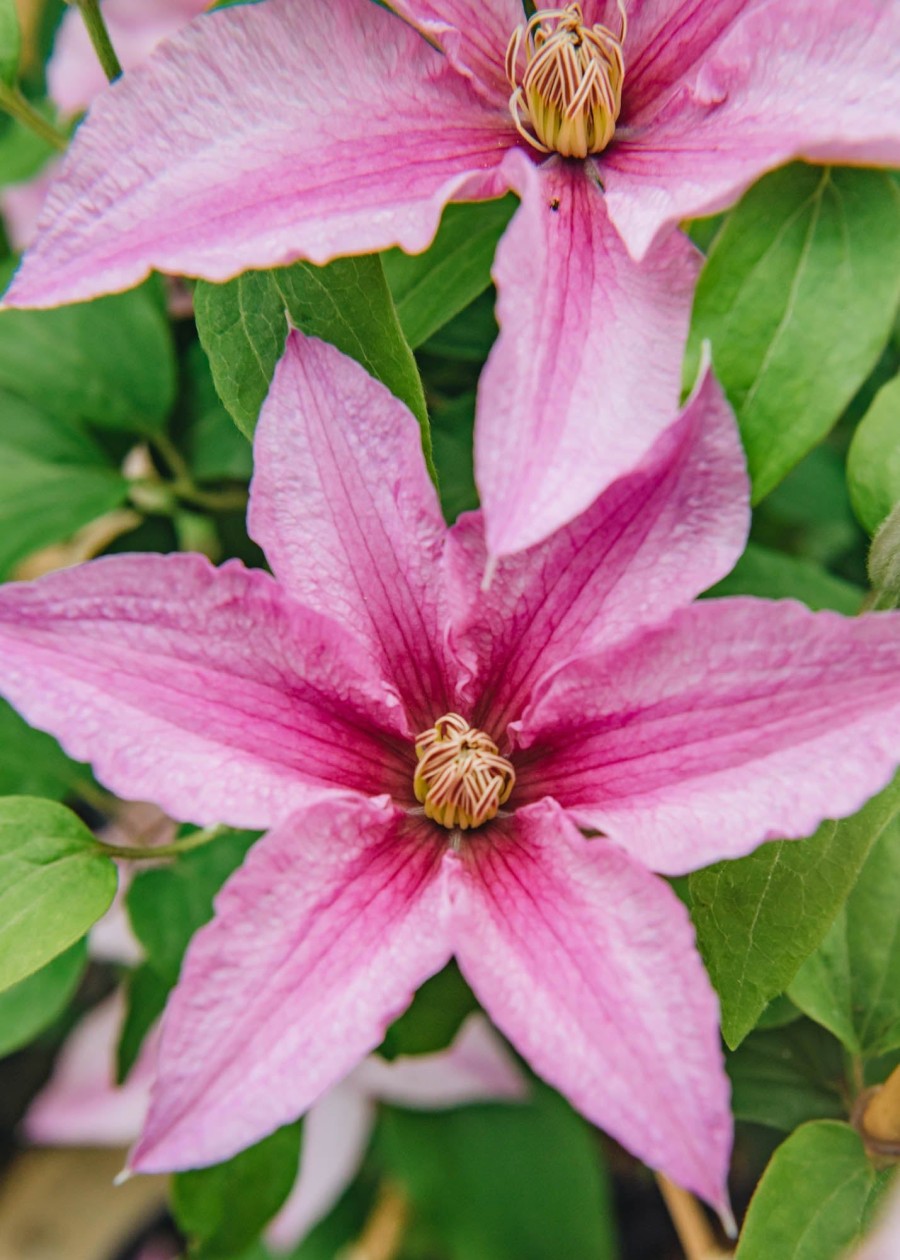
[473, 35]
[318, 943]
[819, 79]
[570, 399]
[666, 39]
[884, 1242]
[739, 721]
[260, 134]
[343, 507]
[205, 691]
[336, 1132]
[475, 1067]
[650, 544]
[81, 1105]
[74, 73]
[587, 964]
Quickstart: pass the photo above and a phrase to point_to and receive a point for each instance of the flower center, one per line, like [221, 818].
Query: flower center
[569, 96]
[460, 778]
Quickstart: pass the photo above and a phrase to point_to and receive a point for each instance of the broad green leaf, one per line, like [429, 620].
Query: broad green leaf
[210, 441]
[54, 479]
[22, 153]
[431, 288]
[873, 461]
[10, 42]
[434, 1018]
[223, 1209]
[759, 917]
[469, 336]
[816, 1197]
[798, 298]
[452, 427]
[782, 1077]
[33, 1004]
[146, 992]
[243, 325]
[109, 362]
[851, 984]
[55, 883]
[773, 575]
[32, 763]
[167, 905]
[502, 1180]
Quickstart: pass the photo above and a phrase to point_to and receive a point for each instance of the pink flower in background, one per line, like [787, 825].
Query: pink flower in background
[81, 1106]
[427, 754]
[293, 129]
[884, 1242]
[74, 77]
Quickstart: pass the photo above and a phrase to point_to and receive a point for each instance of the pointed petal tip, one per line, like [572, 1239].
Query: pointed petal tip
[125, 1175]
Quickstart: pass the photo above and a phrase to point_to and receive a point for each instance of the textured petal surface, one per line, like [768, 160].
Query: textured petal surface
[649, 545]
[740, 721]
[473, 35]
[261, 134]
[336, 1132]
[475, 1067]
[74, 73]
[81, 1105]
[586, 371]
[203, 690]
[587, 964]
[818, 79]
[318, 943]
[342, 504]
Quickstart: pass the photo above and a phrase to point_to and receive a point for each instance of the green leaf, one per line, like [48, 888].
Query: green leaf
[469, 336]
[54, 479]
[500, 1180]
[212, 444]
[31, 763]
[783, 1077]
[816, 1197]
[222, 1209]
[851, 984]
[758, 918]
[431, 288]
[433, 1019]
[167, 905]
[452, 428]
[10, 42]
[145, 998]
[789, 345]
[884, 562]
[33, 1004]
[109, 362]
[22, 153]
[773, 575]
[55, 883]
[873, 461]
[243, 325]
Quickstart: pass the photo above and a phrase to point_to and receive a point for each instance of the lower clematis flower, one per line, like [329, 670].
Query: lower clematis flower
[494, 774]
[80, 1105]
[294, 129]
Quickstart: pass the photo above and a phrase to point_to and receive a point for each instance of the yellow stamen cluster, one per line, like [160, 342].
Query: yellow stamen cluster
[569, 96]
[460, 778]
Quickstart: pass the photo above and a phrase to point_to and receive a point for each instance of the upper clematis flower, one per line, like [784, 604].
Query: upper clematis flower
[75, 76]
[293, 129]
[428, 756]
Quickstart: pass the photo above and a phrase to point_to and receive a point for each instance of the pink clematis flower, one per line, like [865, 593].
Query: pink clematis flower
[293, 129]
[80, 1105]
[428, 756]
[884, 1242]
[74, 77]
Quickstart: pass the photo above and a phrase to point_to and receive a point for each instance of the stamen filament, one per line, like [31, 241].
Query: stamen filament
[460, 778]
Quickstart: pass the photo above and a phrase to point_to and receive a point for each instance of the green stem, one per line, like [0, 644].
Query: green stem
[186, 489]
[96, 28]
[14, 103]
[137, 853]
